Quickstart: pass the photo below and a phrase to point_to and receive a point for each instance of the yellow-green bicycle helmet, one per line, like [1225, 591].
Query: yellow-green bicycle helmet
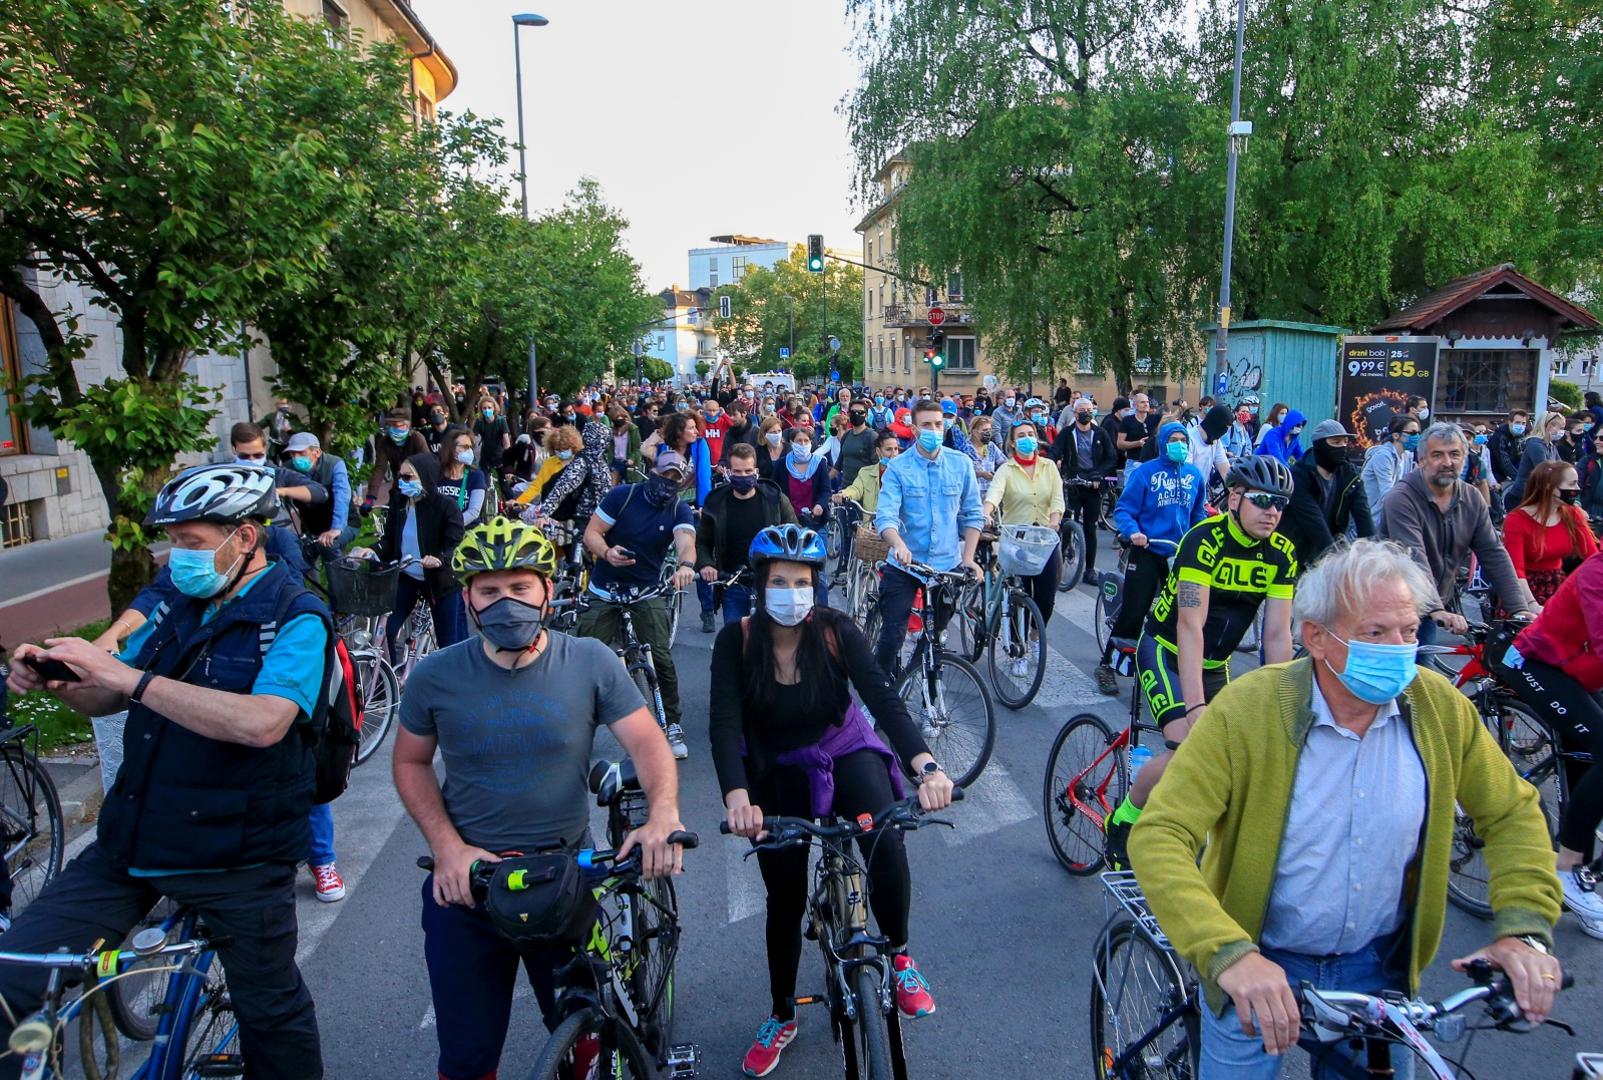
[504, 544]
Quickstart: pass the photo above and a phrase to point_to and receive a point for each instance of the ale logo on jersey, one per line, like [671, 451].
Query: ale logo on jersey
[1246, 576]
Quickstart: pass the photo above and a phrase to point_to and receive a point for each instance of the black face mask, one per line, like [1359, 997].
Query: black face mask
[743, 484]
[1329, 457]
[859, 419]
[1083, 419]
[1568, 496]
[509, 625]
[660, 491]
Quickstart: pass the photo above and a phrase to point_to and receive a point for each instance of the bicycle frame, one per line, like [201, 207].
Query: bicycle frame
[1122, 887]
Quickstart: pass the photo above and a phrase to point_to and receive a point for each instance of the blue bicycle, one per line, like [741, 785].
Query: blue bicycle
[196, 1033]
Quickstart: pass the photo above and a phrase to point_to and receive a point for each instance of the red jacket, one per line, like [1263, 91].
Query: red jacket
[1569, 632]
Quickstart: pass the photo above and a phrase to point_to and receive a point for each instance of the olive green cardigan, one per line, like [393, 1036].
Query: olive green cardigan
[1229, 788]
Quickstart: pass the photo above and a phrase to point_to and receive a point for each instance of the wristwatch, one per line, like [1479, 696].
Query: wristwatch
[930, 769]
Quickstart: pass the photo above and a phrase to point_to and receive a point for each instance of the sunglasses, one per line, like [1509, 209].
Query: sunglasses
[1263, 500]
[252, 457]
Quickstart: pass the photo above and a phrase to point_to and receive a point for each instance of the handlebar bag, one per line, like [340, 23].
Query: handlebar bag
[541, 899]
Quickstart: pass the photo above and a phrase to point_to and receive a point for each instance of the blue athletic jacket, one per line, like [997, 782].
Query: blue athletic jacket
[1162, 499]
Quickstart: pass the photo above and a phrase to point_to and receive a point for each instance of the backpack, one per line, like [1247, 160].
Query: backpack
[335, 730]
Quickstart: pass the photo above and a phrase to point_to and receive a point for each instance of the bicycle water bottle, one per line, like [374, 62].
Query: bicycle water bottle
[1138, 757]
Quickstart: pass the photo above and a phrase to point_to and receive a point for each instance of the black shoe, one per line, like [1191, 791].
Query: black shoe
[706, 622]
[1107, 681]
[1090, 577]
[1118, 840]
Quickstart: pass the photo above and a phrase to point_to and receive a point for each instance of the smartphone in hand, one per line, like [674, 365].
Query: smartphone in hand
[51, 670]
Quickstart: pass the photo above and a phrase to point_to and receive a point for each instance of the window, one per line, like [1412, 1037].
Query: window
[929, 296]
[1087, 365]
[1487, 380]
[882, 294]
[712, 271]
[11, 430]
[890, 233]
[907, 357]
[1561, 368]
[737, 267]
[882, 245]
[868, 248]
[16, 523]
[338, 19]
[954, 287]
[961, 353]
[1586, 367]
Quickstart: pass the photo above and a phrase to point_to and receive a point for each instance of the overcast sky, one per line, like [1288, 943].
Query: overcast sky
[697, 119]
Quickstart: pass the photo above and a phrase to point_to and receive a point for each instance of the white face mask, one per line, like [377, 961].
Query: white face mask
[788, 607]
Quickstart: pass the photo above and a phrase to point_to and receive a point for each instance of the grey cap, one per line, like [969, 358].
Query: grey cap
[302, 440]
[671, 460]
[1327, 429]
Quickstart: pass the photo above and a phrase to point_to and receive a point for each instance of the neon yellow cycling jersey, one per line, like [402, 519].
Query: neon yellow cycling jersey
[1239, 574]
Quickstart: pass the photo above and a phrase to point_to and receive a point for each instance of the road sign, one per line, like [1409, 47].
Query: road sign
[834, 344]
[784, 353]
[937, 316]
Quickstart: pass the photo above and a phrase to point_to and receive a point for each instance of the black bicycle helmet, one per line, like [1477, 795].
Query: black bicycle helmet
[789, 543]
[217, 494]
[1261, 472]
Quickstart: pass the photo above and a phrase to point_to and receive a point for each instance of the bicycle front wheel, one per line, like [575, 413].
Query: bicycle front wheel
[30, 823]
[213, 1038]
[1085, 780]
[1018, 652]
[1136, 990]
[381, 700]
[949, 703]
[1074, 540]
[873, 1029]
[645, 681]
[622, 1057]
[656, 945]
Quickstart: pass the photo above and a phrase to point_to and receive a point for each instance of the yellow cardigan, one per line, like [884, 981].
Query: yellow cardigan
[1023, 500]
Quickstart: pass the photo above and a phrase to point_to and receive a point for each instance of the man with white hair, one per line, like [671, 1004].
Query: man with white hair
[1439, 520]
[1320, 795]
[1084, 452]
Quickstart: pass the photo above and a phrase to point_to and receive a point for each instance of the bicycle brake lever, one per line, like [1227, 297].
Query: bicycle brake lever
[1561, 1025]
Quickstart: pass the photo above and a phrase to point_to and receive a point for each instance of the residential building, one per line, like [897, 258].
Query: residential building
[727, 261]
[53, 491]
[684, 335]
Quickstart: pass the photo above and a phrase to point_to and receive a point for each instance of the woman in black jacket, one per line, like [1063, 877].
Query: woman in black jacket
[427, 526]
[1099, 462]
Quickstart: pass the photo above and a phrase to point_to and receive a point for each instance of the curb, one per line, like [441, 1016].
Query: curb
[81, 801]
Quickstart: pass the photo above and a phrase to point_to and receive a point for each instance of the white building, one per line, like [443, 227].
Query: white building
[728, 261]
[684, 335]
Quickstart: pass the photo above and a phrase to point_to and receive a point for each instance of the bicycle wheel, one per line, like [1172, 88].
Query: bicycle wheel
[381, 700]
[1017, 654]
[968, 630]
[676, 606]
[1101, 620]
[138, 1000]
[1085, 780]
[656, 944]
[873, 1030]
[645, 681]
[832, 536]
[1073, 538]
[421, 641]
[30, 823]
[953, 708]
[1137, 984]
[628, 1058]
[864, 591]
[213, 1037]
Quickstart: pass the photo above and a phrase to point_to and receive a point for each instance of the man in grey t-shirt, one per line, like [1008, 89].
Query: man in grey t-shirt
[512, 712]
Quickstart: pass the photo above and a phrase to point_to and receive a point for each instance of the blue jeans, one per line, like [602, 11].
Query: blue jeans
[1230, 1054]
[321, 852]
[450, 620]
[704, 594]
[737, 603]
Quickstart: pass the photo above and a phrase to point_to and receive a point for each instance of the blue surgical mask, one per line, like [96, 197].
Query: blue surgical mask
[465, 457]
[948, 423]
[1411, 442]
[489, 414]
[1377, 673]
[879, 400]
[1480, 440]
[397, 435]
[801, 451]
[1516, 429]
[929, 441]
[1025, 445]
[410, 488]
[564, 455]
[1178, 452]
[195, 573]
[301, 464]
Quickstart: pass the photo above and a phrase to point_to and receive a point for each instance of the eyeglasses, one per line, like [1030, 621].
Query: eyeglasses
[1263, 500]
[252, 457]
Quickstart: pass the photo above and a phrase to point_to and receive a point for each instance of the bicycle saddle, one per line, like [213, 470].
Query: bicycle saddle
[609, 779]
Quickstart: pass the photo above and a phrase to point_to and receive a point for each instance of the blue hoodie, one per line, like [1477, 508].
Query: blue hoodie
[1162, 499]
[1280, 442]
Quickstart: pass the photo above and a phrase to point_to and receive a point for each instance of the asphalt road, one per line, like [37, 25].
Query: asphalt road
[1003, 934]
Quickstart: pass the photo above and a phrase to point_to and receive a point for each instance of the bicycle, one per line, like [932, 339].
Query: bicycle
[196, 1035]
[857, 962]
[30, 814]
[943, 692]
[1110, 588]
[618, 987]
[1144, 1032]
[996, 616]
[636, 654]
[1072, 534]
[360, 593]
[862, 577]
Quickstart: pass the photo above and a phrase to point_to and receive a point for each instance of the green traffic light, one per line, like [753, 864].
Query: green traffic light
[816, 266]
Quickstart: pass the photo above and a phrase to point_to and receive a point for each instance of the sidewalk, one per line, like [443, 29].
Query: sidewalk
[53, 585]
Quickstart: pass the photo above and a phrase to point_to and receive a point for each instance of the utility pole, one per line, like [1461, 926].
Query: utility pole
[1239, 132]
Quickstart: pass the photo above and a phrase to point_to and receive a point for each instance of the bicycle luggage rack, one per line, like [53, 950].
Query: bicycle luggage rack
[1123, 887]
[684, 1061]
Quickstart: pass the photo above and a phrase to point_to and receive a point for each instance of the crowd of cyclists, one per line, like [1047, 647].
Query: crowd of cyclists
[1225, 515]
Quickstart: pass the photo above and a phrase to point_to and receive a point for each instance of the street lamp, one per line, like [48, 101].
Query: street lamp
[1240, 130]
[526, 19]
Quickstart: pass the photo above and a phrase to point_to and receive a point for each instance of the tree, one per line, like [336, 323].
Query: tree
[656, 370]
[1565, 392]
[185, 176]
[702, 368]
[772, 307]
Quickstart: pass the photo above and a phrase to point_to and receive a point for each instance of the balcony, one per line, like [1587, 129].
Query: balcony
[957, 314]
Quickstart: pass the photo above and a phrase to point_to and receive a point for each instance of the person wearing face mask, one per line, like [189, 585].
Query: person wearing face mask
[1572, 445]
[983, 450]
[982, 402]
[1249, 851]
[211, 803]
[424, 526]
[771, 448]
[805, 480]
[328, 523]
[787, 738]
[396, 441]
[1269, 422]
[1238, 439]
[297, 494]
[864, 488]
[577, 489]
[1506, 443]
[1083, 451]
[1284, 441]
[1387, 463]
[1547, 534]
[929, 512]
[629, 537]
[902, 428]
[512, 714]
[880, 413]
[490, 428]
[954, 437]
[1028, 490]
[1005, 415]
[714, 427]
[433, 427]
[1541, 445]
[1328, 498]
[561, 445]
[625, 448]
[1037, 414]
[733, 516]
[741, 431]
[460, 481]
[1419, 409]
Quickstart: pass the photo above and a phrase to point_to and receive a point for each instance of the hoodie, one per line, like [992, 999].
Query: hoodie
[1280, 441]
[1161, 498]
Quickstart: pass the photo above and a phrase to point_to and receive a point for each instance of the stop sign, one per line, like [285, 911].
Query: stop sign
[937, 316]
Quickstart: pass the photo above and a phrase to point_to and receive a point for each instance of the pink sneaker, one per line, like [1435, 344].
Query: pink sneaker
[912, 992]
[772, 1038]
[330, 886]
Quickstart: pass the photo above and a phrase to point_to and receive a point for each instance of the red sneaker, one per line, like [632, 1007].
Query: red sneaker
[586, 1052]
[772, 1038]
[912, 992]
[330, 886]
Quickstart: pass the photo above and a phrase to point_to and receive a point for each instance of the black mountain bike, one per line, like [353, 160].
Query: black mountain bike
[857, 962]
[30, 811]
[636, 654]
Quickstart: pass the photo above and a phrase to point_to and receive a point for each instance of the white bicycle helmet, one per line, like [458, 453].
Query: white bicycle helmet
[218, 494]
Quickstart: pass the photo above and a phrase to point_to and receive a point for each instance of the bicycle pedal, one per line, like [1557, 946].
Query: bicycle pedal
[684, 1061]
[220, 1065]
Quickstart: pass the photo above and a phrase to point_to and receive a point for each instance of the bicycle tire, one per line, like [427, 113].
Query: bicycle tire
[1168, 1057]
[381, 700]
[832, 536]
[873, 1030]
[556, 1057]
[1017, 691]
[137, 1001]
[645, 681]
[1073, 540]
[864, 592]
[871, 630]
[961, 743]
[969, 627]
[676, 606]
[1101, 624]
[1081, 851]
[656, 945]
[213, 1027]
[30, 823]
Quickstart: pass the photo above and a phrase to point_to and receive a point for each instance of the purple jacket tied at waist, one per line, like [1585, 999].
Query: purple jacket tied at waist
[852, 734]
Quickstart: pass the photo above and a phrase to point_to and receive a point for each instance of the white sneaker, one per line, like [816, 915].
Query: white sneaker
[1581, 896]
[676, 742]
[1019, 667]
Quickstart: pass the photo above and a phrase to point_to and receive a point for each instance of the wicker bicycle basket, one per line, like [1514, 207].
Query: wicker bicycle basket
[868, 546]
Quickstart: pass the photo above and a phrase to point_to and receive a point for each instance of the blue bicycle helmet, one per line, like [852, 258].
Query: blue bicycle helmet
[790, 543]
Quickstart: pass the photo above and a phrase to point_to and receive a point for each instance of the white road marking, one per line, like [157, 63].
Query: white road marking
[1065, 686]
[742, 880]
[991, 803]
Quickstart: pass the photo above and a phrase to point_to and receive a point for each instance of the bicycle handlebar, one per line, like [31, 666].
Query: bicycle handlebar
[631, 595]
[1165, 547]
[596, 865]
[958, 577]
[906, 814]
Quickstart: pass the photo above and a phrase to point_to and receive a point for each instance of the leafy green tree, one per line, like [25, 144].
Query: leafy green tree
[769, 307]
[656, 370]
[171, 156]
[1568, 393]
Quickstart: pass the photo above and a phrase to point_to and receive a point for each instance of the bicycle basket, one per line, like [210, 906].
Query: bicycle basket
[868, 546]
[1025, 549]
[541, 899]
[360, 590]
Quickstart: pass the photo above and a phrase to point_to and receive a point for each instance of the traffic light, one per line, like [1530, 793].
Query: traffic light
[815, 253]
[933, 356]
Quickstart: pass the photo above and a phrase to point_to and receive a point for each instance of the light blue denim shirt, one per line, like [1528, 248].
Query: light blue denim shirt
[1356, 810]
[930, 503]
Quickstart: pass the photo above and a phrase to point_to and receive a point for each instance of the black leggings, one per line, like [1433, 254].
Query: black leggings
[1043, 587]
[862, 786]
[1561, 702]
[1142, 580]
